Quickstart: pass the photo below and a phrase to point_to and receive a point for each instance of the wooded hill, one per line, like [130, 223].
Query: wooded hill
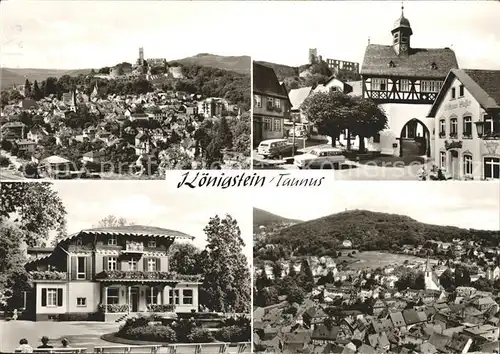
[265, 218]
[369, 230]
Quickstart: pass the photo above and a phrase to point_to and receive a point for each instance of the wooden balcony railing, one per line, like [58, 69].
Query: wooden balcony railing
[141, 275]
[48, 275]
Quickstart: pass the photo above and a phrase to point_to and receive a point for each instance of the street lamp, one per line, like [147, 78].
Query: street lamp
[480, 128]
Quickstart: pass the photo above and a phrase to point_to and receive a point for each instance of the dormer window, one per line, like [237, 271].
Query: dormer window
[152, 244]
[391, 64]
[434, 66]
[112, 240]
[79, 242]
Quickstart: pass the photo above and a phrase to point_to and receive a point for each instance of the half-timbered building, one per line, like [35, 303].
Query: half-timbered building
[405, 81]
[109, 273]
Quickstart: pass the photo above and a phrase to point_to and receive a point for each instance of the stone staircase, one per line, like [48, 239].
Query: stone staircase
[122, 318]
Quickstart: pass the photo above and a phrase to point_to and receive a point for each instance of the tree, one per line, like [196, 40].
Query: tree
[213, 156]
[446, 280]
[51, 87]
[184, 259]
[112, 221]
[27, 89]
[37, 93]
[35, 208]
[224, 135]
[226, 285]
[329, 112]
[295, 295]
[366, 120]
[305, 278]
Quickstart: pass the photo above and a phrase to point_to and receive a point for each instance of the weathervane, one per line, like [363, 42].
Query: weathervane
[402, 9]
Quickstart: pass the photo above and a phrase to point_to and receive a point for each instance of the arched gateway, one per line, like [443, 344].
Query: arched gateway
[415, 139]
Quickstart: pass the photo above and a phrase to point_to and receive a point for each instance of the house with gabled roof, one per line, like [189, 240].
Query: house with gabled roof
[404, 81]
[112, 271]
[466, 117]
[271, 104]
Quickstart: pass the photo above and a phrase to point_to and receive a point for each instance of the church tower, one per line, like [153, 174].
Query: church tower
[401, 35]
[94, 94]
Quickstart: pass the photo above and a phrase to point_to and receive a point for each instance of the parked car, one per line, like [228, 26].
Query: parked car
[275, 148]
[324, 157]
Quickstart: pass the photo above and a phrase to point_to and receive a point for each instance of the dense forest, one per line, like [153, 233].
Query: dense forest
[370, 231]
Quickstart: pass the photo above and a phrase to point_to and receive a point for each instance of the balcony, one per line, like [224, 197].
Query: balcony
[142, 276]
[48, 275]
[134, 248]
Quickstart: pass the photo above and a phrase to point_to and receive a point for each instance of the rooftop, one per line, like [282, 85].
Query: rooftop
[266, 82]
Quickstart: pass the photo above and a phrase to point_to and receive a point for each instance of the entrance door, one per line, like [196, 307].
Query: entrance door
[134, 300]
[455, 164]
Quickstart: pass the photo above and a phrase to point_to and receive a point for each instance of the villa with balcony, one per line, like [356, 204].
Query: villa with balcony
[109, 273]
[467, 125]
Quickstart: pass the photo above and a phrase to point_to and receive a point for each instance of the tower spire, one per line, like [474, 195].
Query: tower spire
[402, 9]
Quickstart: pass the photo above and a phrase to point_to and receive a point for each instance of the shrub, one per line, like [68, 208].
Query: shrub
[233, 334]
[4, 161]
[161, 308]
[200, 335]
[90, 316]
[158, 333]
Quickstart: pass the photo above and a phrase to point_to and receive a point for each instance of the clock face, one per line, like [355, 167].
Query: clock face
[404, 47]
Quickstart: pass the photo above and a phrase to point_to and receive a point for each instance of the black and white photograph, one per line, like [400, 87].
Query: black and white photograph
[400, 268]
[122, 89]
[379, 90]
[85, 267]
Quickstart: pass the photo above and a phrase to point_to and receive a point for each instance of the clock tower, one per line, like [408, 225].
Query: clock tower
[401, 35]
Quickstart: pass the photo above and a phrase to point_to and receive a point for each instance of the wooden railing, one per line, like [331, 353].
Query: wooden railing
[194, 348]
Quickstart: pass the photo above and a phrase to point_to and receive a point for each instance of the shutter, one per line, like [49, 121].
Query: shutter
[74, 264]
[145, 264]
[44, 297]
[88, 268]
[118, 263]
[158, 264]
[105, 263]
[59, 297]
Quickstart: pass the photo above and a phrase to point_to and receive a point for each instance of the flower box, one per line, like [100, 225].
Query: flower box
[161, 308]
[113, 308]
[142, 275]
[48, 275]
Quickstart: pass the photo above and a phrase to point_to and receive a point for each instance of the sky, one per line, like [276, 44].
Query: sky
[152, 203]
[93, 34]
[462, 204]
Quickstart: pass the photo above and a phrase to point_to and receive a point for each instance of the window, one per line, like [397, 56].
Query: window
[491, 126]
[79, 241]
[257, 101]
[453, 93]
[277, 103]
[112, 240]
[442, 159]
[80, 270]
[81, 302]
[151, 265]
[461, 91]
[187, 297]
[268, 124]
[404, 85]
[52, 297]
[379, 84]
[430, 86]
[404, 39]
[277, 125]
[396, 38]
[152, 244]
[152, 296]
[132, 264]
[467, 127]
[467, 165]
[453, 127]
[113, 297]
[492, 167]
[270, 102]
[173, 296]
[112, 263]
[442, 128]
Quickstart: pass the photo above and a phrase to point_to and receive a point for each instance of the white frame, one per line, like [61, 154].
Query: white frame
[277, 103]
[112, 262]
[404, 85]
[467, 120]
[51, 297]
[184, 296]
[257, 101]
[467, 160]
[151, 264]
[81, 275]
[491, 165]
[110, 296]
[149, 298]
[80, 303]
[112, 240]
[173, 296]
[454, 125]
[132, 264]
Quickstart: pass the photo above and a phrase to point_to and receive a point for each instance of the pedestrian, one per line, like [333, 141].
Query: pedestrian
[24, 347]
[15, 315]
[45, 343]
[423, 173]
[65, 343]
